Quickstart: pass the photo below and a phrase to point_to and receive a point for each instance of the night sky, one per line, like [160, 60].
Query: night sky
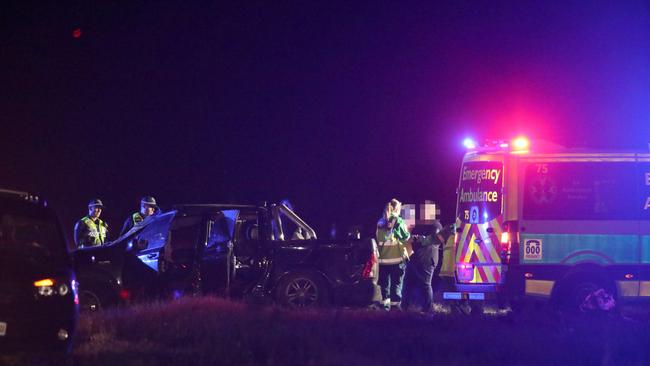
[336, 106]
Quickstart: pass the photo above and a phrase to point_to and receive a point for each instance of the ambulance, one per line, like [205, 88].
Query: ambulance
[543, 221]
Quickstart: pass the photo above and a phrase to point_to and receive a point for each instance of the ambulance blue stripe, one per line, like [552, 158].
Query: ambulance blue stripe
[571, 249]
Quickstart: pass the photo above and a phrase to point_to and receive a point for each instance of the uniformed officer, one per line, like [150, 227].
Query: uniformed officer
[91, 231]
[148, 207]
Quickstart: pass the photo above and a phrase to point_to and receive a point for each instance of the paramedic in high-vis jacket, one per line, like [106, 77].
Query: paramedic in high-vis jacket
[392, 235]
[443, 276]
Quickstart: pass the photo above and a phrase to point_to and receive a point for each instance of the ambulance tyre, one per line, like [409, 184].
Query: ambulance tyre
[577, 289]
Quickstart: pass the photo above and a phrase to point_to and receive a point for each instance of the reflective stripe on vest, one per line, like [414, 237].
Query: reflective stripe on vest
[96, 230]
[391, 251]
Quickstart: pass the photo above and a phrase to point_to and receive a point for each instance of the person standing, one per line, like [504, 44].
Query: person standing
[421, 267]
[91, 231]
[391, 236]
[148, 207]
[443, 275]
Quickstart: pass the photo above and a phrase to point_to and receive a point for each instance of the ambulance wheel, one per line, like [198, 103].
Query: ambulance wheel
[302, 290]
[580, 291]
[576, 291]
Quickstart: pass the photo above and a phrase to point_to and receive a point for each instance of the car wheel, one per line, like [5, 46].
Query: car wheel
[302, 290]
[93, 299]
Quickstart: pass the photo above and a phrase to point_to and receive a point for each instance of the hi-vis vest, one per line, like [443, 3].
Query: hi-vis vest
[137, 218]
[448, 258]
[96, 232]
[390, 241]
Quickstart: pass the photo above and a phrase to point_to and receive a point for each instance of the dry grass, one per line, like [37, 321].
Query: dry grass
[212, 331]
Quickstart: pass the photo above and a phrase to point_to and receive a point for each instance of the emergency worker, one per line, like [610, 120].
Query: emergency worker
[148, 207]
[443, 276]
[91, 231]
[391, 236]
[421, 267]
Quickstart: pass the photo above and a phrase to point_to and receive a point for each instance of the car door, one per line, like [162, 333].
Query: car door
[217, 265]
[148, 244]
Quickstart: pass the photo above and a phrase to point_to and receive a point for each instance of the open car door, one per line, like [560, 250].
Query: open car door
[148, 243]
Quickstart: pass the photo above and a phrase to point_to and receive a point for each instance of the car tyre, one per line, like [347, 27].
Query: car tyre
[93, 298]
[302, 290]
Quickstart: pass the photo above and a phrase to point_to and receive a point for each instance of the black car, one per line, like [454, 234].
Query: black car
[232, 250]
[38, 298]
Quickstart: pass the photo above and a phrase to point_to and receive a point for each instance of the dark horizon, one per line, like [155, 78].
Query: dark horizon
[337, 107]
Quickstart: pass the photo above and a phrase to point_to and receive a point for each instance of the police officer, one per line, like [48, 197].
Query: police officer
[391, 236]
[148, 207]
[91, 231]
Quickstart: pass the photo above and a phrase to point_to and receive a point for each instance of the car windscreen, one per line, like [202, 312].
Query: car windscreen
[33, 235]
[479, 191]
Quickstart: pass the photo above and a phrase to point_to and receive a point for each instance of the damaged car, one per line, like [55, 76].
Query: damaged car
[261, 253]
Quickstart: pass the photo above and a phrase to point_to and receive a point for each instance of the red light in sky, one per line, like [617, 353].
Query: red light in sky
[76, 33]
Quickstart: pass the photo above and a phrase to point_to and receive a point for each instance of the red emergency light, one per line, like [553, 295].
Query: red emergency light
[516, 146]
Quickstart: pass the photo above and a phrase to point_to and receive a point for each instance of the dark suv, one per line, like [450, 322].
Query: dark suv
[38, 298]
[258, 252]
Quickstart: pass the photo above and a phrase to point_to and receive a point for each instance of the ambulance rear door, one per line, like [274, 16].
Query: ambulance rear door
[480, 217]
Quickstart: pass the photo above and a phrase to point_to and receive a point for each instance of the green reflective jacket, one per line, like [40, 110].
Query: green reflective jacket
[89, 233]
[391, 238]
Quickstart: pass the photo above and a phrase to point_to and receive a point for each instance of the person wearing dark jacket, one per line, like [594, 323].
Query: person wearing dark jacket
[419, 271]
[148, 207]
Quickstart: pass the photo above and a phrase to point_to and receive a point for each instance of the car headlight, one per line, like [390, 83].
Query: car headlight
[49, 287]
[63, 289]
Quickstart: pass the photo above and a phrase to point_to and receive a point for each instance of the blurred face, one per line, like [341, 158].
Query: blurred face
[146, 210]
[94, 211]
